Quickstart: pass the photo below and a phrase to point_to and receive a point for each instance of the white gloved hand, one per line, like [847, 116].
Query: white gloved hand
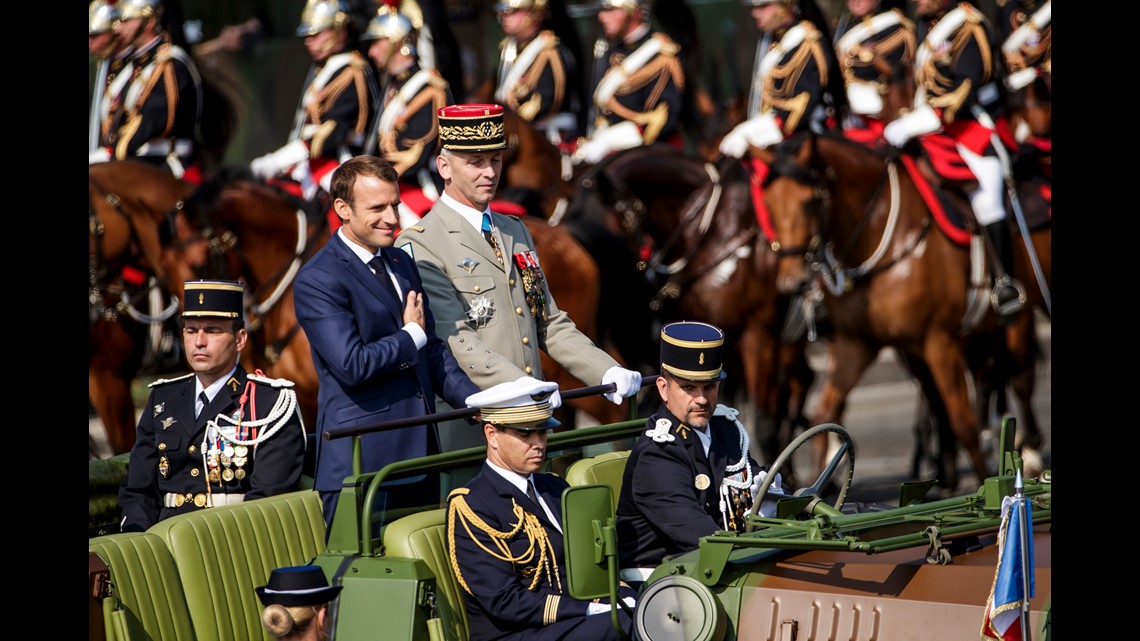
[98, 155]
[555, 398]
[623, 135]
[761, 130]
[602, 608]
[276, 162]
[626, 383]
[921, 121]
[776, 489]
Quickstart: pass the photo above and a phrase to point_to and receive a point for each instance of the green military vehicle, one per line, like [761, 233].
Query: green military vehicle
[844, 570]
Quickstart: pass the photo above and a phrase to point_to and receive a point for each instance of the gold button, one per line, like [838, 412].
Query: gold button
[193, 471]
[162, 446]
[511, 282]
[476, 288]
[518, 310]
[528, 369]
[526, 340]
[193, 449]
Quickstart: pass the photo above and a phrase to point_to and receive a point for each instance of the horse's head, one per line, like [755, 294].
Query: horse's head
[197, 245]
[796, 202]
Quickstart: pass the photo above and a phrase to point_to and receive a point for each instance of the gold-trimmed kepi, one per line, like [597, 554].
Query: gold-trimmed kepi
[522, 404]
[692, 351]
[213, 298]
[472, 127]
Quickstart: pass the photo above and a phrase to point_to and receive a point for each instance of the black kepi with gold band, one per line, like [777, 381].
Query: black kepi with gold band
[472, 127]
[213, 299]
[523, 404]
[693, 351]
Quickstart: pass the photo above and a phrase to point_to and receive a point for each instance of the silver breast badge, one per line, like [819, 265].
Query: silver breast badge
[481, 310]
[468, 264]
[159, 409]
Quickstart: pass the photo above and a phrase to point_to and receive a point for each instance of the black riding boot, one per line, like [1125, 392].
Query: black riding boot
[1008, 295]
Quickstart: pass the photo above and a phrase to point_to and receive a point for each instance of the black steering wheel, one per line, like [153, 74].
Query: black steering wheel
[846, 447]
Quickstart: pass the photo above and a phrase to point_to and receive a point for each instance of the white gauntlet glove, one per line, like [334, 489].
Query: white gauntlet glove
[776, 489]
[601, 608]
[623, 135]
[276, 162]
[760, 130]
[626, 383]
[921, 121]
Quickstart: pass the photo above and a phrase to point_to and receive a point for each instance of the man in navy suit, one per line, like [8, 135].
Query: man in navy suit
[505, 530]
[363, 309]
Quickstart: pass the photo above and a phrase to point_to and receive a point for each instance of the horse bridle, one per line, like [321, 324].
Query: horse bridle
[99, 287]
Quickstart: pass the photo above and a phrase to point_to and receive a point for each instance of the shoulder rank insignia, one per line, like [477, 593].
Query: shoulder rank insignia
[164, 381]
[415, 228]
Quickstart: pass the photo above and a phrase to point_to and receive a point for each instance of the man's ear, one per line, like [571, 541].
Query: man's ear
[663, 387]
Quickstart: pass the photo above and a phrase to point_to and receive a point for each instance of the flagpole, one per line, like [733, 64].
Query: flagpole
[1023, 535]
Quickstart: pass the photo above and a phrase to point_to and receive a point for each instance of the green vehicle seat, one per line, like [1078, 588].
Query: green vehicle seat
[147, 601]
[604, 469]
[424, 536]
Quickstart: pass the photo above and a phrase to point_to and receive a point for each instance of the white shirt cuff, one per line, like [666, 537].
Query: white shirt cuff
[419, 337]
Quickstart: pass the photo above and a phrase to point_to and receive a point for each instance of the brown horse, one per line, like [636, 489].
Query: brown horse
[236, 228]
[691, 228]
[889, 277]
[129, 300]
[536, 173]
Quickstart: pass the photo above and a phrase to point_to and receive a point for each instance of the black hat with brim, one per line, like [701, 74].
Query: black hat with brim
[297, 586]
[693, 351]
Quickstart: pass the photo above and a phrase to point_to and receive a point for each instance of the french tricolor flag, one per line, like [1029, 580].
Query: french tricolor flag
[1008, 594]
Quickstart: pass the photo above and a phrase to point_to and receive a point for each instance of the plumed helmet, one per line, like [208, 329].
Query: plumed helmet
[319, 15]
[761, 3]
[504, 5]
[102, 16]
[131, 9]
[391, 24]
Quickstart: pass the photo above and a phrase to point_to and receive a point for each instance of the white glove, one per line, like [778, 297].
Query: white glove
[601, 608]
[276, 162]
[623, 135]
[555, 398]
[922, 120]
[98, 155]
[761, 130]
[626, 383]
[768, 506]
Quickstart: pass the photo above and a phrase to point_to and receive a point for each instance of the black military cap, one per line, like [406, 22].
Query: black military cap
[213, 298]
[297, 586]
[692, 351]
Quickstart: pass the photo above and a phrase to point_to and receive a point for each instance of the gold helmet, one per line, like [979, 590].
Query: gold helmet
[505, 5]
[101, 16]
[761, 3]
[391, 24]
[143, 9]
[319, 15]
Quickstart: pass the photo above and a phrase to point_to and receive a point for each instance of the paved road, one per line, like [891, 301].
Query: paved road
[880, 417]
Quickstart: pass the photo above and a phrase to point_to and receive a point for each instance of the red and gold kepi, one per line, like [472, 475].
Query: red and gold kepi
[213, 298]
[472, 128]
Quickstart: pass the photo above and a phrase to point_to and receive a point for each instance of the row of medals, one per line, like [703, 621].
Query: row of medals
[232, 458]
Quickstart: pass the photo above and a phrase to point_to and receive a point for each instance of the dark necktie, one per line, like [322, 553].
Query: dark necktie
[205, 401]
[530, 491]
[490, 237]
[377, 263]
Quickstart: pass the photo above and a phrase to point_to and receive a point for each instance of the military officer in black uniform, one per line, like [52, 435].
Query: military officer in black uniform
[505, 530]
[218, 435]
[691, 473]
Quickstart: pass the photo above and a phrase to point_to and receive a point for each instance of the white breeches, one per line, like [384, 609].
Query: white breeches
[988, 200]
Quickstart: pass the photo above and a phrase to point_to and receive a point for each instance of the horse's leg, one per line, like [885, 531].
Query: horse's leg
[848, 359]
[111, 366]
[1021, 338]
[759, 373]
[943, 354]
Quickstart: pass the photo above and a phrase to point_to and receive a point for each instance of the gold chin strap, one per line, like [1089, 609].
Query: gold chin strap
[459, 511]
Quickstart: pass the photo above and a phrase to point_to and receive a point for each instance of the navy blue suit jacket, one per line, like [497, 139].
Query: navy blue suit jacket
[370, 371]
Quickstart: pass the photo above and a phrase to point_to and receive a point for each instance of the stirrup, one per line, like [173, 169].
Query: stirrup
[1012, 305]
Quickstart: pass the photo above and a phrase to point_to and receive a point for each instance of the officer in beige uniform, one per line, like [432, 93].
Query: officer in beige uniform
[484, 279]
[217, 436]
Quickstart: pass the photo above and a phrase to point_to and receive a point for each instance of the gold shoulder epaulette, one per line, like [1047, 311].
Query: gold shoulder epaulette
[164, 381]
[972, 13]
[811, 32]
[436, 80]
[668, 46]
[459, 491]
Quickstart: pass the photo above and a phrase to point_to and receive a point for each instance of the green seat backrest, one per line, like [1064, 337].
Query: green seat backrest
[424, 536]
[604, 469]
[224, 553]
[146, 584]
